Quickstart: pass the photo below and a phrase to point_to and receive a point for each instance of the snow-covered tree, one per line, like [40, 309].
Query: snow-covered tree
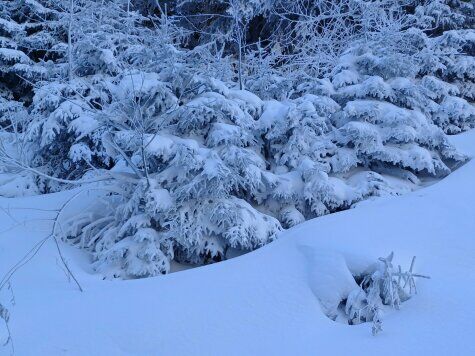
[438, 16]
[318, 32]
[14, 61]
[448, 66]
[381, 123]
[195, 175]
[108, 38]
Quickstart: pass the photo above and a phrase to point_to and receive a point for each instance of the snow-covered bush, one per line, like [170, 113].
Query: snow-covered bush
[381, 285]
[354, 293]
[433, 76]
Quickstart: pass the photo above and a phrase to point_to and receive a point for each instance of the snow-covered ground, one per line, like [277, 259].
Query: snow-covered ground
[262, 303]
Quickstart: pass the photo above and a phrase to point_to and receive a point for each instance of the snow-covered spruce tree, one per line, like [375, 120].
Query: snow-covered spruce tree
[446, 60]
[32, 39]
[11, 58]
[298, 148]
[63, 130]
[448, 73]
[438, 79]
[437, 16]
[31, 52]
[107, 38]
[195, 175]
[324, 158]
[381, 125]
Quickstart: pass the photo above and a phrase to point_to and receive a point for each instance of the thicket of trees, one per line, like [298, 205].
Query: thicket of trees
[213, 125]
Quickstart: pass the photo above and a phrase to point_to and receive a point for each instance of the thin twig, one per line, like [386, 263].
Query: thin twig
[65, 264]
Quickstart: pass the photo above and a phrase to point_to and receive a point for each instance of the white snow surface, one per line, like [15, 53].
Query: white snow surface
[268, 302]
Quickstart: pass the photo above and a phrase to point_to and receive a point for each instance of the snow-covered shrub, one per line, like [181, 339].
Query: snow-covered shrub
[10, 57]
[32, 54]
[382, 285]
[354, 293]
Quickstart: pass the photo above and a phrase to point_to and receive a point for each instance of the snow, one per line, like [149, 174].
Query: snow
[9, 56]
[270, 301]
[9, 26]
[274, 111]
[6, 42]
